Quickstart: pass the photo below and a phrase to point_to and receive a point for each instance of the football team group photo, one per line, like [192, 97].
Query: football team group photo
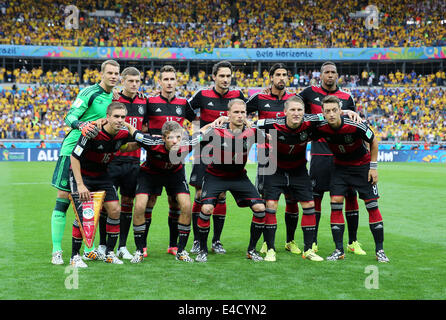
[222, 150]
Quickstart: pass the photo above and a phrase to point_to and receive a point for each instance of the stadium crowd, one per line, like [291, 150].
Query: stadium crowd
[235, 23]
[411, 113]
[241, 78]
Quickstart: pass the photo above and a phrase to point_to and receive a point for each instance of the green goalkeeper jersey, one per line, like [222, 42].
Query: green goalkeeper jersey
[91, 104]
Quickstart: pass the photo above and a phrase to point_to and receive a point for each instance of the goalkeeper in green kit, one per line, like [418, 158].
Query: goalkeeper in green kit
[90, 105]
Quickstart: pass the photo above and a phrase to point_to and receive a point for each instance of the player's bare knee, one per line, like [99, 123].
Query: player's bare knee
[337, 199]
[140, 206]
[185, 208]
[114, 210]
[307, 204]
[271, 204]
[62, 194]
[207, 209]
[258, 207]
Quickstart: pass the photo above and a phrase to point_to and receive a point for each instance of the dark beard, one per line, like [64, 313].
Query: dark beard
[279, 86]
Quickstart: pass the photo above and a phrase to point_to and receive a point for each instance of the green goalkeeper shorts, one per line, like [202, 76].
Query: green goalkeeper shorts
[61, 175]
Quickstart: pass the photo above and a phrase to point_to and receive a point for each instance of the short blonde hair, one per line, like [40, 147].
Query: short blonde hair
[107, 62]
[170, 126]
[115, 105]
[293, 99]
[235, 101]
[130, 71]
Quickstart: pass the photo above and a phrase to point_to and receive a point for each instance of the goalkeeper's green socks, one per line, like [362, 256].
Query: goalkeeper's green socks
[58, 220]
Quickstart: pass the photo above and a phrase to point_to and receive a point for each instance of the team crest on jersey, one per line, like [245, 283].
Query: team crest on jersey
[179, 111]
[118, 144]
[348, 138]
[141, 109]
[303, 136]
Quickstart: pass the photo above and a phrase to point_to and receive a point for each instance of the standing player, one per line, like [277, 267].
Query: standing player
[90, 105]
[213, 103]
[354, 167]
[291, 177]
[162, 171]
[124, 167]
[166, 107]
[89, 161]
[271, 106]
[321, 163]
[230, 146]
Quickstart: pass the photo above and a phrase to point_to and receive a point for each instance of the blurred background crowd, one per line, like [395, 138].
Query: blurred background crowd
[225, 23]
[414, 110]
[400, 104]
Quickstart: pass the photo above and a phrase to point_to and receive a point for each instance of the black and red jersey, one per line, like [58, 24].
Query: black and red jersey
[136, 111]
[212, 104]
[268, 106]
[160, 110]
[291, 144]
[347, 142]
[159, 159]
[312, 97]
[229, 150]
[95, 154]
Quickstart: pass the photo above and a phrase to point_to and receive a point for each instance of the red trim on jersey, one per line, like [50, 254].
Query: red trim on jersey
[212, 93]
[209, 115]
[338, 93]
[136, 119]
[271, 96]
[271, 114]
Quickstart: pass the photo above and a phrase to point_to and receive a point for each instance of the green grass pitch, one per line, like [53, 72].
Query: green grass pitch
[412, 204]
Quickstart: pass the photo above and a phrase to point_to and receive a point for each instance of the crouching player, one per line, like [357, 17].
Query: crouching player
[89, 161]
[163, 169]
[354, 167]
[291, 177]
[229, 147]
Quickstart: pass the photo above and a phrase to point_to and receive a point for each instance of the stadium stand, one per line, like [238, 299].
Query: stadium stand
[412, 113]
[242, 79]
[235, 23]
